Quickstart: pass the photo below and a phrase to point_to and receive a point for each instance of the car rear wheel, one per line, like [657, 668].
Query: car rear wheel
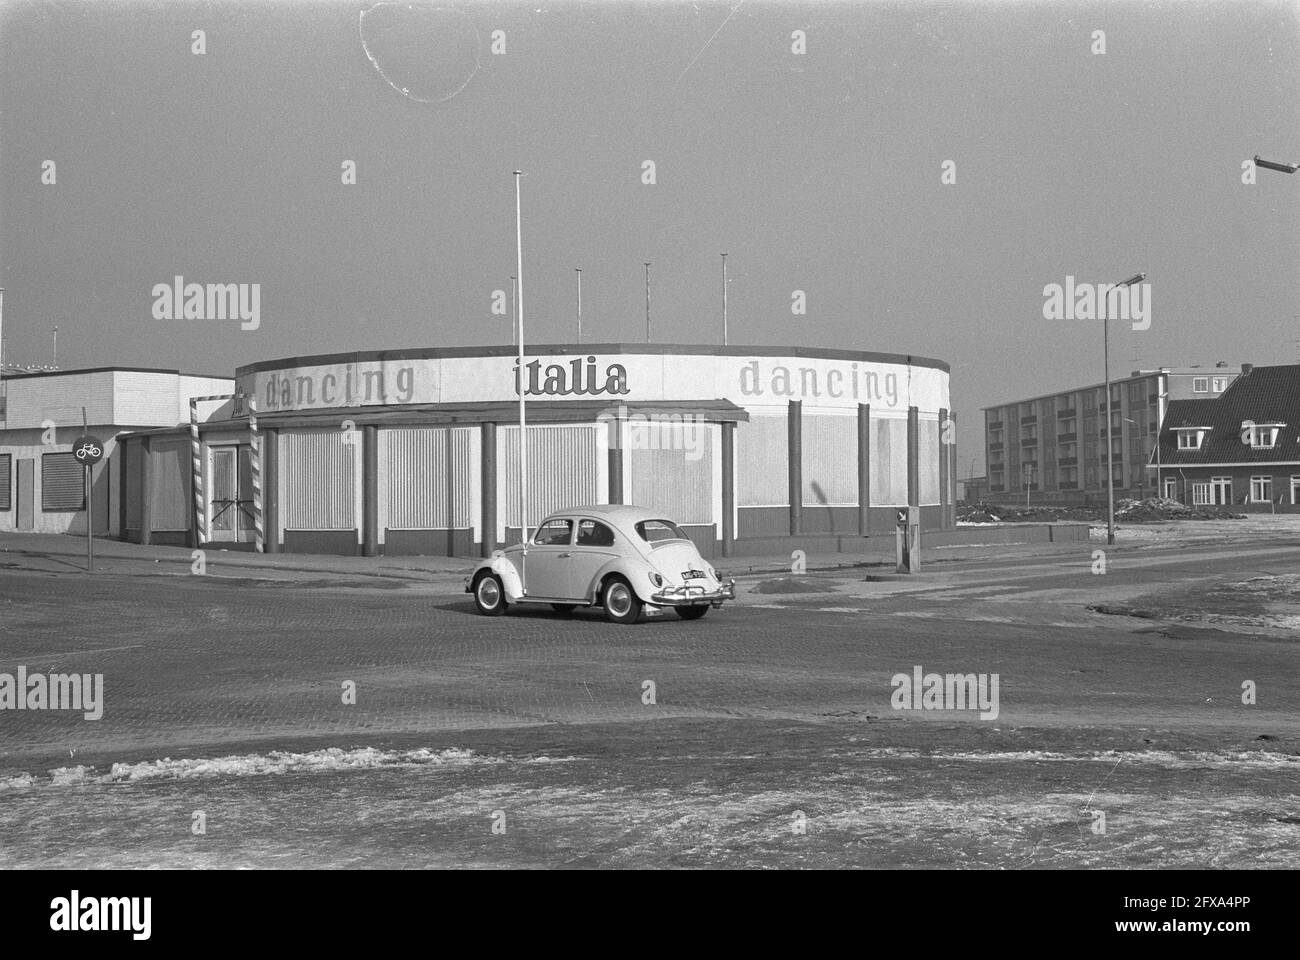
[621, 603]
[489, 595]
[692, 613]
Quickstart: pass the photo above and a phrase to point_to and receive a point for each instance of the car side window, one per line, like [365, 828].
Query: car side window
[554, 533]
[593, 534]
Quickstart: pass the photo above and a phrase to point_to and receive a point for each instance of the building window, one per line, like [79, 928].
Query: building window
[62, 483]
[6, 470]
[1200, 494]
[1261, 489]
[1220, 384]
[1263, 438]
[1190, 439]
[1295, 490]
[1200, 385]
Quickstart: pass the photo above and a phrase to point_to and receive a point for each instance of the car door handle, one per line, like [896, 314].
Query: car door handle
[563, 555]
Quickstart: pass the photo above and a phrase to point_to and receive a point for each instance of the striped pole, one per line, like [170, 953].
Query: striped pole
[196, 473]
[255, 462]
[196, 464]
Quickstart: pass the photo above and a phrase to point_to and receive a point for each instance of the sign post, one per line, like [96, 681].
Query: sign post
[88, 451]
[907, 539]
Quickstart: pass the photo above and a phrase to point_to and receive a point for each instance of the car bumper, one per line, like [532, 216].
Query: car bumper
[694, 596]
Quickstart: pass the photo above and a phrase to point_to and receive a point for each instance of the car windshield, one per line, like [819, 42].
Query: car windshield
[657, 531]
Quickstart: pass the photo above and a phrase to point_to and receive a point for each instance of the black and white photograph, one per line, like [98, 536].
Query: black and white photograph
[675, 435]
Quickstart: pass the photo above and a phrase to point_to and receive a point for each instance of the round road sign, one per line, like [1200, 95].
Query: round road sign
[87, 449]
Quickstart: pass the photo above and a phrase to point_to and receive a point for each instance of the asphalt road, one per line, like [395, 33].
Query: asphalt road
[762, 735]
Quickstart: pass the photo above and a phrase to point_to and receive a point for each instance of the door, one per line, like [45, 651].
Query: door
[593, 547]
[230, 498]
[1221, 491]
[26, 494]
[546, 569]
[1171, 488]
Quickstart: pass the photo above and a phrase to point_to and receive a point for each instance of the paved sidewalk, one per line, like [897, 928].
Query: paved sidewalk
[58, 553]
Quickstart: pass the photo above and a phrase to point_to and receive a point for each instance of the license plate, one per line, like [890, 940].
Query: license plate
[693, 575]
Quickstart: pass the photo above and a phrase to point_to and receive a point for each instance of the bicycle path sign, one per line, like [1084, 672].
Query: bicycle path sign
[87, 450]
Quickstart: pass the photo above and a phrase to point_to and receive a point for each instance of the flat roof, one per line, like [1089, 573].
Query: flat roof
[556, 349]
[81, 370]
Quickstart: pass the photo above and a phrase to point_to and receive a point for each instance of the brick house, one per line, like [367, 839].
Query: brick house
[1241, 448]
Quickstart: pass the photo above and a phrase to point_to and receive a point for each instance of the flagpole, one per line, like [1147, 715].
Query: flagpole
[523, 386]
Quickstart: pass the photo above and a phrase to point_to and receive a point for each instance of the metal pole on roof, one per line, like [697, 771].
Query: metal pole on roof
[724, 299]
[578, 271]
[523, 389]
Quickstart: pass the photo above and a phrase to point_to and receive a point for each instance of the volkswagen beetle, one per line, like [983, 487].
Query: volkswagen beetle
[626, 560]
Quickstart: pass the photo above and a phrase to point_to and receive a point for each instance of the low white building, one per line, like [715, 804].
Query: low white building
[41, 484]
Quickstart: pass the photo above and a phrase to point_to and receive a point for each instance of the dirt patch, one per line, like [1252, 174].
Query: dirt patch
[1150, 510]
[1270, 601]
[794, 585]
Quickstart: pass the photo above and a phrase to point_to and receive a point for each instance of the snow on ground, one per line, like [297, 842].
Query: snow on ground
[329, 760]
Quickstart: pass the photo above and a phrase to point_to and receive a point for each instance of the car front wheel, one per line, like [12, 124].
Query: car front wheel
[489, 596]
[622, 605]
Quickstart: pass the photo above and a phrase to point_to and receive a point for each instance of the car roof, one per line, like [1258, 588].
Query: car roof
[613, 512]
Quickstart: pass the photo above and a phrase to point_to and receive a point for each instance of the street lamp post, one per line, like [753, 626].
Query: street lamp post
[647, 301]
[1274, 165]
[1110, 453]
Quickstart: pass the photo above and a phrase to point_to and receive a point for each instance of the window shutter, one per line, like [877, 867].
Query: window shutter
[62, 482]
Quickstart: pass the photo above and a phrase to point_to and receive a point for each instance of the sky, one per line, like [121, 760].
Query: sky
[820, 172]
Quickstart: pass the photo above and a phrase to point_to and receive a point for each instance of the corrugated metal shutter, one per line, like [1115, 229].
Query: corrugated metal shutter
[170, 481]
[431, 477]
[562, 470]
[319, 476]
[6, 483]
[830, 460]
[762, 458]
[928, 433]
[671, 468]
[63, 482]
[888, 462]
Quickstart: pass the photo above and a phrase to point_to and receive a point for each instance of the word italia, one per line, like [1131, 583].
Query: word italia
[950, 691]
[1092, 301]
[575, 380]
[58, 691]
[343, 389]
[70, 914]
[209, 301]
[780, 381]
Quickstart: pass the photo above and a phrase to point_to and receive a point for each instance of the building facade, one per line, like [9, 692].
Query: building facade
[1053, 448]
[1241, 449]
[415, 452]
